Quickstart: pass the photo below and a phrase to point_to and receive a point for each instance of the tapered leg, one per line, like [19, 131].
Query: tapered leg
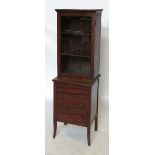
[88, 135]
[96, 119]
[96, 123]
[55, 129]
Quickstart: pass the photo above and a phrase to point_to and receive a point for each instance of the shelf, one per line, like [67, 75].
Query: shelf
[84, 70]
[74, 55]
[75, 33]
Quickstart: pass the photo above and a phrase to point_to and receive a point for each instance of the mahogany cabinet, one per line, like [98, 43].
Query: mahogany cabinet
[78, 57]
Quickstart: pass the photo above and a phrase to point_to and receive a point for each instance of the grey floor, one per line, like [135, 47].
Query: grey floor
[72, 139]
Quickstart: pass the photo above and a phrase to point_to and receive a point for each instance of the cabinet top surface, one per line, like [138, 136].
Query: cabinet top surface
[83, 82]
[78, 10]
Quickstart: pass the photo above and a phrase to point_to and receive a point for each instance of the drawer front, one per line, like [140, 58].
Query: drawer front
[71, 100]
[71, 105]
[73, 119]
[71, 89]
[70, 109]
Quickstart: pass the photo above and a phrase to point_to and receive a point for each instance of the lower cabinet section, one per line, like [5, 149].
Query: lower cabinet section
[76, 104]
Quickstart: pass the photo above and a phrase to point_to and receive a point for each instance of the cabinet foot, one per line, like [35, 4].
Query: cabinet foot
[55, 129]
[96, 123]
[88, 135]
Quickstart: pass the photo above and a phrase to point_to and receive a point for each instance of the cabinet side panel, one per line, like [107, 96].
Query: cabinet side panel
[94, 100]
[58, 44]
[54, 102]
[97, 44]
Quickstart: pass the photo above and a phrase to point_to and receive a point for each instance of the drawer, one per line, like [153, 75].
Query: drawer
[73, 119]
[71, 89]
[70, 100]
[72, 109]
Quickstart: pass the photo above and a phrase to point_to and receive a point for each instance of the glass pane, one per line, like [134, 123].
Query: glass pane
[75, 45]
[75, 65]
[76, 24]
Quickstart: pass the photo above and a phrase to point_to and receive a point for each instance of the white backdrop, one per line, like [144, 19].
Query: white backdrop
[51, 41]
[132, 84]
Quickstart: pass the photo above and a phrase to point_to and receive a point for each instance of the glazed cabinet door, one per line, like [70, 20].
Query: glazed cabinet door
[75, 41]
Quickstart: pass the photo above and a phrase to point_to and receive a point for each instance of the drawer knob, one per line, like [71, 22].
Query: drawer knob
[61, 88]
[81, 91]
